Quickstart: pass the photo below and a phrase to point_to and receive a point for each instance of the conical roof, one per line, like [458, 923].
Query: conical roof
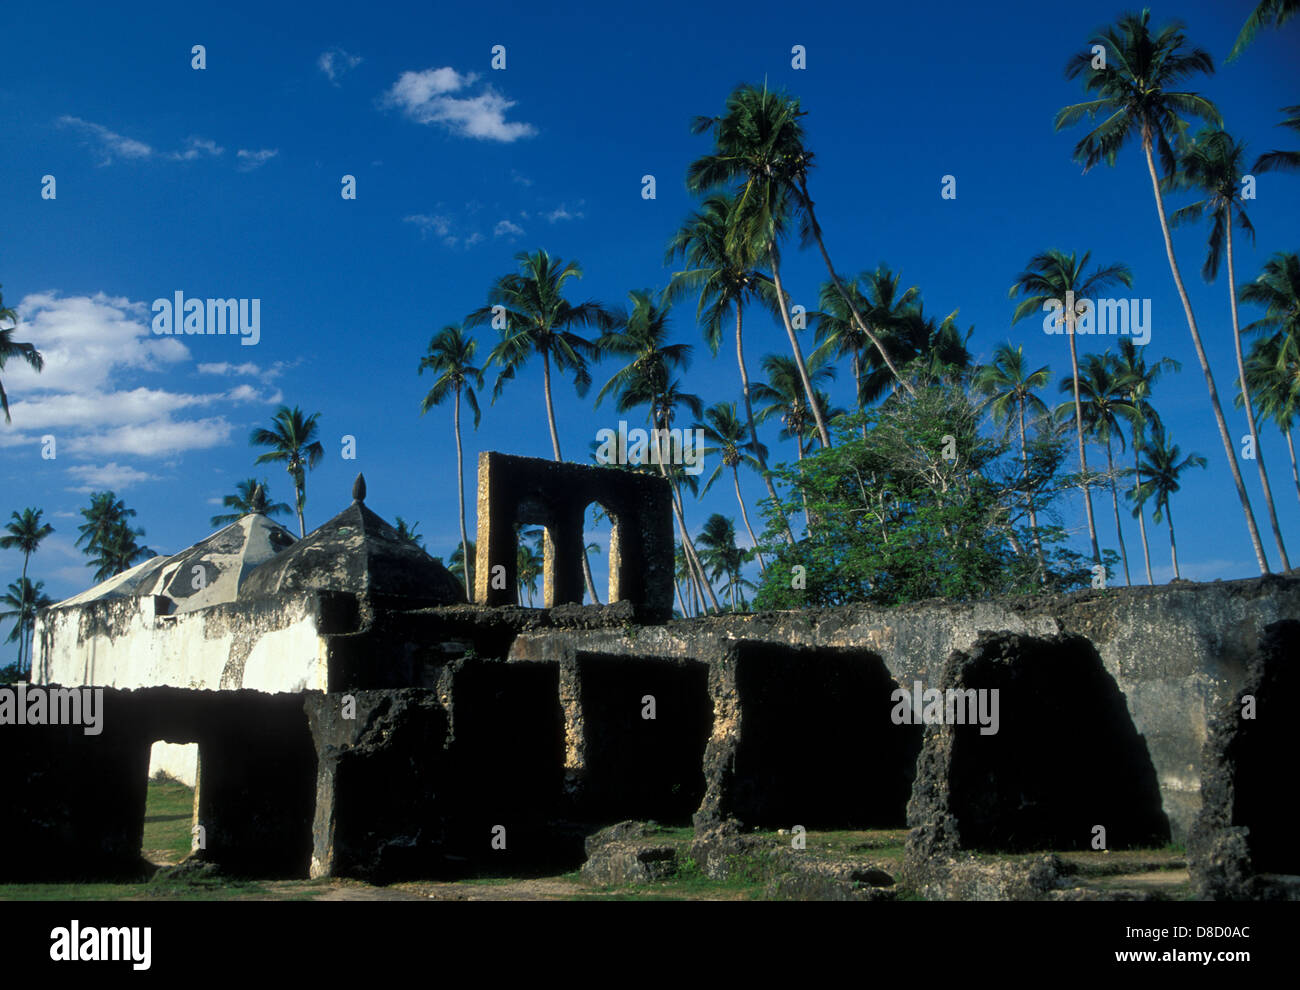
[356, 551]
[208, 573]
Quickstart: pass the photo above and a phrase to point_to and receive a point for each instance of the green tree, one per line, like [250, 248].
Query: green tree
[450, 357]
[1139, 380]
[723, 558]
[1057, 277]
[10, 348]
[641, 336]
[731, 442]
[108, 538]
[1269, 13]
[410, 533]
[1163, 473]
[529, 309]
[1008, 383]
[25, 534]
[459, 566]
[1212, 165]
[1282, 161]
[1274, 377]
[727, 279]
[1104, 402]
[1138, 96]
[251, 495]
[24, 599]
[292, 439]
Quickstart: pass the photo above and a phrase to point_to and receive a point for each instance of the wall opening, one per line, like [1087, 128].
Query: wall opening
[1265, 800]
[817, 745]
[646, 723]
[1066, 757]
[170, 802]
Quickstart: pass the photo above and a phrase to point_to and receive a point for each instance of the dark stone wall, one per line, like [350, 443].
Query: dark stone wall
[1245, 832]
[76, 802]
[1065, 759]
[638, 767]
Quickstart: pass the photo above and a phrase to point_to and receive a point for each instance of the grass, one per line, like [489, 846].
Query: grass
[168, 819]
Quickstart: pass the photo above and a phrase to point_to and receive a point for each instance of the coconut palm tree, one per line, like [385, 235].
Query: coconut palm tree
[1104, 403]
[529, 562]
[292, 439]
[118, 550]
[1274, 377]
[250, 496]
[461, 565]
[449, 357]
[409, 532]
[721, 555]
[760, 141]
[1269, 13]
[883, 307]
[109, 540]
[727, 279]
[1282, 161]
[10, 348]
[641, 336]
[1008, 383]
[1140, 379]
[1163, 470]
[782, 395]
[529, 309]
[1138, 97]
[731, 441]
[24, 599]
[1055, 277]
[1213, 164]
[25, 533]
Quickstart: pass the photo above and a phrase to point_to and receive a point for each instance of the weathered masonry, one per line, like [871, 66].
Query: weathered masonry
[353, 717]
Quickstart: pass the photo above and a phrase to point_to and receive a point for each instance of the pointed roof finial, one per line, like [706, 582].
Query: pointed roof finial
[359, 489]
[258, 501]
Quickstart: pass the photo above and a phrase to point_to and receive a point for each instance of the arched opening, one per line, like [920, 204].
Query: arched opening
[817, 744]
[1265, 802]
[1065, 757]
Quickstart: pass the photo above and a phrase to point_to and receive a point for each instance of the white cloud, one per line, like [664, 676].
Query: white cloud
[249, 160]
[505, 228]
[111, 476]
[435, 224]
[426, 98]
[336, 63]
[92, 345]
[85, 340]
[520, 178]
[109, 143]
[561, 213]
[197, 148]
[248, 369]
[474, 238]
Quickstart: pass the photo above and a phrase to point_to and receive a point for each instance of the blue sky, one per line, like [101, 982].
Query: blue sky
[225, 182]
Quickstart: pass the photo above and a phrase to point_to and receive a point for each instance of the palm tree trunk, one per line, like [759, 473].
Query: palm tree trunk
[298, 496]
[1173, 547]
[555, 446]
[677, 587]
[688, 546]
[1295, 473]
[857, 317]
[807, 522]
[735, 476]
[1250, 408]
[460, 495]
[1114, 501]
[1078, 428]
[22, 618]
[822, 434]
[1142, 516]
[1029, 495]
[1205, 365]
[753, 433]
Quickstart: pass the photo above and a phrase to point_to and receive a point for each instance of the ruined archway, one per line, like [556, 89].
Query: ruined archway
[1065, 758]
